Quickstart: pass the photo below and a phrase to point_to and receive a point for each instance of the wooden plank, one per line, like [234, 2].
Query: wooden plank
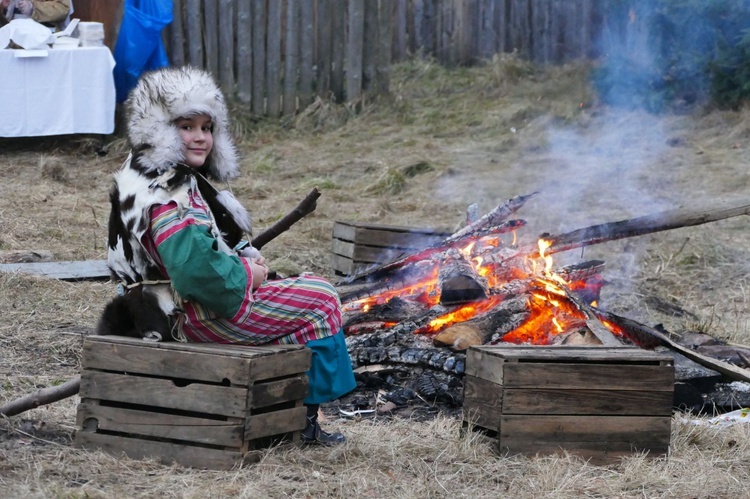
[244, 51]
[388, 235]
[209, 362]
[91, 417]
[275, 423]
[273, 60]
[483, 402]
[277, 392]
[211, 36]
[196, 364]
[67, 271]
[370, 254]
[276, 366]
[259, 58]
[226, 54]
[343, 265]
[587, 376]
[164, 393]
[522, 431]
[487, 367]
[194, 32]
[307, 42]
[355, 50]
[644, 402]
[530, 353]
[165, 452]
[291, 57]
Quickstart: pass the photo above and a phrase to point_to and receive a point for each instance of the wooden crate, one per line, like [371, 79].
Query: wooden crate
[597, 402]
[199, 405]
[357, 245]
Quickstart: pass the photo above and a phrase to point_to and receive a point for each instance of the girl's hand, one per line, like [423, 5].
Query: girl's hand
[260, 272]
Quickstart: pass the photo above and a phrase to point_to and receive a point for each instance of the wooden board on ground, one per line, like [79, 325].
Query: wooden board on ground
[84, 270]
[358, 245]
[597, 402]
[199, 405]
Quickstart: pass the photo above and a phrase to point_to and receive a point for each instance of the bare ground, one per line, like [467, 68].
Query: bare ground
[446, 139]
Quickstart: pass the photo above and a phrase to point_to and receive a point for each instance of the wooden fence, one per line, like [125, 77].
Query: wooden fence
[276, 56]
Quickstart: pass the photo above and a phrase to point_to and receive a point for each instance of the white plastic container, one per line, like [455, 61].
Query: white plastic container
[91, 34]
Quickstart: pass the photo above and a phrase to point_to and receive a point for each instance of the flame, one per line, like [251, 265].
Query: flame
[551, 312]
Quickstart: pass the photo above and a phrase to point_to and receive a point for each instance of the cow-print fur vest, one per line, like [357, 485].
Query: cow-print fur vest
[154, 174]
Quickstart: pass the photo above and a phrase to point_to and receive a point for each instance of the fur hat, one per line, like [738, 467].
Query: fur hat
[158, 100]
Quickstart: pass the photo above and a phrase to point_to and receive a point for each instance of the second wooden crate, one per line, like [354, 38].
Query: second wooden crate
[358, 245]
[197, 404]
[597, 402]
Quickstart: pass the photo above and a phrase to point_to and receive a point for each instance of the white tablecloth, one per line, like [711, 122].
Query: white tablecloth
[67, 91]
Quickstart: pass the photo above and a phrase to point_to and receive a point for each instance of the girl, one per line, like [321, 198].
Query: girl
[175, 242]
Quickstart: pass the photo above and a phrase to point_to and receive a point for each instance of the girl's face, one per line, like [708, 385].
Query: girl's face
[197, 139]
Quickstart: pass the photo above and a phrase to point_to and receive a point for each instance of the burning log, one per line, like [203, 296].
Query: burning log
[498, 321]
[489, 224]
[458, 281]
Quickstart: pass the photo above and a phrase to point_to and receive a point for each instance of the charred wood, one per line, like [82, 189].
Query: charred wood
[458, 281]
[648, 224]
[387, 269]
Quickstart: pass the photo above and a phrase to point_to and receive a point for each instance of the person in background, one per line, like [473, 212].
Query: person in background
[176, 242]
[47, 12]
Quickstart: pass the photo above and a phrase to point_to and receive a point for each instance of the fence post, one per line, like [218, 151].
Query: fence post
[211, 36]
[176, 36]
[244, 50]
[307, 40]
[338, 44]
[259, 56]
[354, 52]
[291, 57]
[385, 37]
[273, 60]
[194, 33]
[226, 47]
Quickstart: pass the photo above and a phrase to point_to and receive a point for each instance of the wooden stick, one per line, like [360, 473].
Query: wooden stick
[304, 208]
[42, 397]
[640, 330]
[648, 224]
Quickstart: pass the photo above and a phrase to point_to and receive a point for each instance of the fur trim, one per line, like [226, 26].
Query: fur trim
[163, 96]
[235, 208]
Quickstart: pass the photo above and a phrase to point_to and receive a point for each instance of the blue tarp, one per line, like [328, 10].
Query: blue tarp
[139, 46]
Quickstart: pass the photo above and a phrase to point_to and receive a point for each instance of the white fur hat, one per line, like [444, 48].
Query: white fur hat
[163, 96]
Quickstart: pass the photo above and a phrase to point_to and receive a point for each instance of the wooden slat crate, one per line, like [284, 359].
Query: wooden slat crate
[357, 245]
[598, 402]
[199, 405]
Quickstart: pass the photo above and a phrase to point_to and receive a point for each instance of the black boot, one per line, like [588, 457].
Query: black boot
[313, 434]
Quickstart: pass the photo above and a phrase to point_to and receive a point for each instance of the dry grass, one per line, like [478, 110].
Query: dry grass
[444, 140]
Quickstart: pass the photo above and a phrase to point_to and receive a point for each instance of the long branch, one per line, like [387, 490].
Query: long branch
[304, 208]
[42, 396]
[648, 224]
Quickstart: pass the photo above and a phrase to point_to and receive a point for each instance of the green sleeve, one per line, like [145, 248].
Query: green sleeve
[201, 273]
